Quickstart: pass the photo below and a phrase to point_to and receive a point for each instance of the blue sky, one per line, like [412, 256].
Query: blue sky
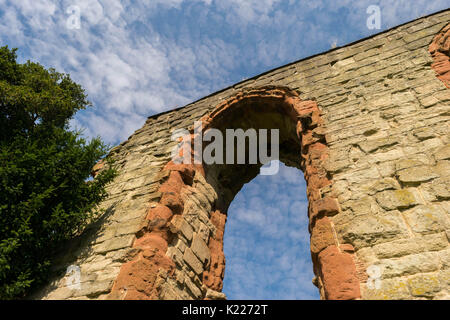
[139, 58]
[266, 241]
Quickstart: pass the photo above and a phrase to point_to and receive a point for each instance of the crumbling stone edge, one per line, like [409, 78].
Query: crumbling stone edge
[440, 52]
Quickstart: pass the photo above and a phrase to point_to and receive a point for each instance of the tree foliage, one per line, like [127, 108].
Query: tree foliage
[45, 195]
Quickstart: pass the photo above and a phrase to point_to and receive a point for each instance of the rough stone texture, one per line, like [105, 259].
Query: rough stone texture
[368, 124]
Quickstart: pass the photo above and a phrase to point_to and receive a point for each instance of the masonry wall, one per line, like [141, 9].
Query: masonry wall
[384, 110]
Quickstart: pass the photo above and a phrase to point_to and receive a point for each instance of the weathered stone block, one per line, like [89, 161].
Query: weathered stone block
[402, 247]
[196, 292]
[362, 176]
[444, 256]
[96, 288]
[372, 145]
[424, 146]
[383, 184]
[179, 225]
[409, 265]
[390, 155]
[424, 285]
[398, 199]
[61, 293]
[390, 289]
[169, 293]
[122, 255]
[181, 244]
[408, 163]
[204, 231]
[115, 244]
[444, 277]
[215, 295]
[417, 174]
[364, 205]
[442, 153]
[426, 132]
[192, 260]
[367, 230]
[441, 188]
[109, 273]
[442, 168]
[205, 187]
[427, 219]
[200, 248]
[176, 255]
[95, 266]
[129, 227]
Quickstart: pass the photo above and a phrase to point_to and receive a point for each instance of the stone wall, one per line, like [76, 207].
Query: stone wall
[367, 123]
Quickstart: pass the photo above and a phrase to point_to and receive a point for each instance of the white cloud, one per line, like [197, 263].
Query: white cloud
[37, 12]
[128, 76]
[131, 68]
[252, 10]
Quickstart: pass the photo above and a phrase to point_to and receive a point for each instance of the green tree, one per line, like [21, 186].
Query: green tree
[46, 197]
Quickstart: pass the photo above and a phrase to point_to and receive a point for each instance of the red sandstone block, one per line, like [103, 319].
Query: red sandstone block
[187, 171]
[316, 119]
[213, 277]
[439, 50]
[173, 201]
[304, 108]
[327, 206]
[311, 170]
[171, 192]
[308, 138]
[173, 184]
[140, 275]
[317, 182]
[158, 217]
[317, 150]
[323, 207]
[338, 273]
[322, 235]
[152, 240]
[133, 294]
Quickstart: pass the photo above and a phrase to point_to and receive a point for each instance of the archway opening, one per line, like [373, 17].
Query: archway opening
[265, 111]
[186, 228]
[266, 241]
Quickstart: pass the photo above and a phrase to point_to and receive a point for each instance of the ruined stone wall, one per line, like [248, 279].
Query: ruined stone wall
[375, 150]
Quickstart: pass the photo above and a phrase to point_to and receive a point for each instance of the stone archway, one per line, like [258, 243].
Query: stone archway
[375, 150]
[181, 245]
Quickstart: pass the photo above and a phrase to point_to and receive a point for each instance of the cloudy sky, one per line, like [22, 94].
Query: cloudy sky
[139, 58]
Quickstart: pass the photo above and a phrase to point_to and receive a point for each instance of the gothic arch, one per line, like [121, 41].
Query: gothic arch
[376, 162]
[204, 192]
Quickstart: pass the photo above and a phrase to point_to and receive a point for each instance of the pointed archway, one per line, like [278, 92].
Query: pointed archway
[187, 226]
